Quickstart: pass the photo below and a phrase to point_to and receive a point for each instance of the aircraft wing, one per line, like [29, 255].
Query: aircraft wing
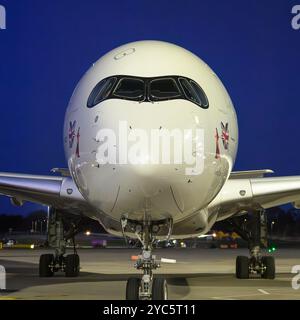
[58, 191]
[241, 194]
[250, 174]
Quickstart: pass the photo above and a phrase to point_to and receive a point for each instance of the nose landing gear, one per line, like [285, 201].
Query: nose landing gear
[148, 287]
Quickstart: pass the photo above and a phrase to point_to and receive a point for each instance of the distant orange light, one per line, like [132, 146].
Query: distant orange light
[134, 258]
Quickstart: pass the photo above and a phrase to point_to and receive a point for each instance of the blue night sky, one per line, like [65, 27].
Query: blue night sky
[49, 44]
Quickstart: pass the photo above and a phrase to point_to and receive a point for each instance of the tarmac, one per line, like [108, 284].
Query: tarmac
[198, 274]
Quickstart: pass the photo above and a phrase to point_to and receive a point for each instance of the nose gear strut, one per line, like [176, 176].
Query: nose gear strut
[148, 287]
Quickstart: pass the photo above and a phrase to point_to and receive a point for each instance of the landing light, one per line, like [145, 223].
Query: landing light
[32, 246]
[88, 233]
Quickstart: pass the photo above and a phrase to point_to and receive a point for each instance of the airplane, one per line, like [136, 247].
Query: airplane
[135, 90]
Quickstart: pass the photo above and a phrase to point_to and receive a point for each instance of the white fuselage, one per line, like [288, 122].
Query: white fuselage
[159, 190]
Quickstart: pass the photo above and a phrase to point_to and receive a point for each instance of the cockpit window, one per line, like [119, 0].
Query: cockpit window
[200, 94]
[101, 91]
[163, 89]
[188, 91]
[144, 89]
[130, 88]
[193, 92]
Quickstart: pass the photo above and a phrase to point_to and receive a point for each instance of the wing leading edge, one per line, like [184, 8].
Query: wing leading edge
[60, 192]
[239, 195]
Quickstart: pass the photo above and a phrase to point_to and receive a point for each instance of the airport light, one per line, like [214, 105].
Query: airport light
[272, 249]
[32, 246]
[88, 233]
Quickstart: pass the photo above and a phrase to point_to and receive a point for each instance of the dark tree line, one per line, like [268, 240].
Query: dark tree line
[281, 222]
[19, 223]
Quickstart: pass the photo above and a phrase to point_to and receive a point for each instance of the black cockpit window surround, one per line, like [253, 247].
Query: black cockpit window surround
[188, 91]
[146, 89]
[194, 92]
[130, 88]
[101, 91]
[200, 93]
[163, 89]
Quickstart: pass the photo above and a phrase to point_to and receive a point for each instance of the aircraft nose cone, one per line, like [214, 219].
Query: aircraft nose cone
[146, 180]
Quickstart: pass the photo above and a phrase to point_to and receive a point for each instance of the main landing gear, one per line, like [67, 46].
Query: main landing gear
[255, 232]
[57, 238]
[148, 287]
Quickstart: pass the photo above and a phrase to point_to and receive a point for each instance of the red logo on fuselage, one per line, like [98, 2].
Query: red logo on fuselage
[225, 135]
